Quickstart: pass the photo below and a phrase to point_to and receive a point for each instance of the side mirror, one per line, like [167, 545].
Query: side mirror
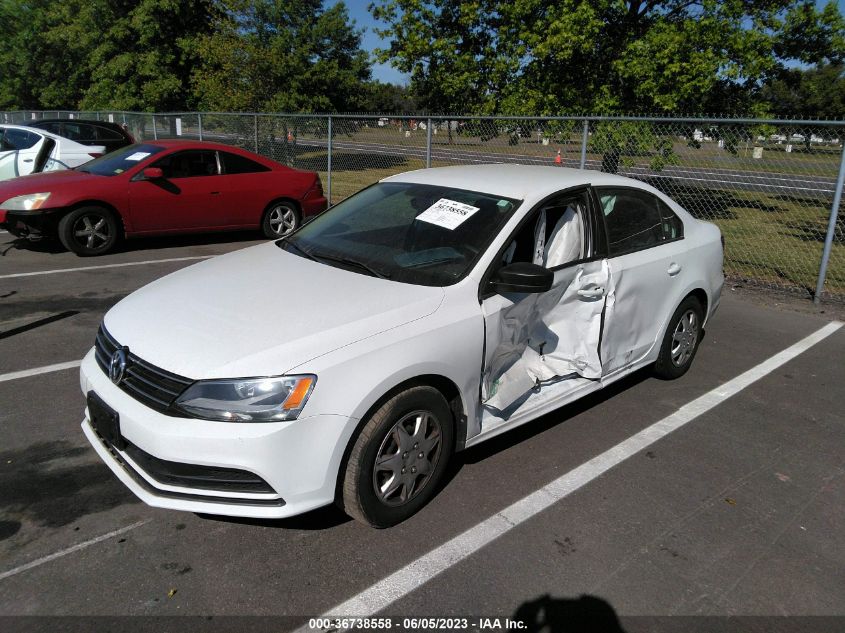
[522, 277]
[152, 173]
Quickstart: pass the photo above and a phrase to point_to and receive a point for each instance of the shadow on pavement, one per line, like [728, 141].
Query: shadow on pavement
[573, 615]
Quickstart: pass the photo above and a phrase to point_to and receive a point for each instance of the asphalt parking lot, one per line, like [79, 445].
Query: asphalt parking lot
[740, 511]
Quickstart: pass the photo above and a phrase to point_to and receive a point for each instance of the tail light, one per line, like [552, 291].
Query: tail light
[95, 154]
[318, 185]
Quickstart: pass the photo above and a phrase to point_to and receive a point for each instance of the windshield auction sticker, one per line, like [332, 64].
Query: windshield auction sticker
[138, 156]
[447, 213]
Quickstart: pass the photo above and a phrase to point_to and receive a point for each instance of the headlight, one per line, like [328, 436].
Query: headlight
[248, 399]
[29, 202]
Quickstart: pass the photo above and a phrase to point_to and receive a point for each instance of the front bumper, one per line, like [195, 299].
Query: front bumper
[298, 459]
[22, 224]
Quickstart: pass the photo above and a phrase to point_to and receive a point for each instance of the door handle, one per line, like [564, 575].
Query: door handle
[27, 160]
[591, 293]
[215, 193]
[674, 269]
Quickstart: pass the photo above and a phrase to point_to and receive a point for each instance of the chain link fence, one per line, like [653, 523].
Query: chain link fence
[770, 185]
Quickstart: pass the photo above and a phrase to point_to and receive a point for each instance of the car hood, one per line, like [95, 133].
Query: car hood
[46, 181]
[260, 311]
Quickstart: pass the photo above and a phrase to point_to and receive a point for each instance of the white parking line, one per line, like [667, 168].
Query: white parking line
[71, 550]
[83, 268]
[26, 373]
[402, 582]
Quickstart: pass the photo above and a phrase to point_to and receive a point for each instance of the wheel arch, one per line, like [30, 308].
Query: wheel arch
[703, 299]
[447, 388]
[292, 201]
[97, 203]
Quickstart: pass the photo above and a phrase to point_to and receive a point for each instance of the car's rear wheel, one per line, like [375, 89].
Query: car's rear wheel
[280, 219]
[680, 343]
[399, 458]
[89, 231]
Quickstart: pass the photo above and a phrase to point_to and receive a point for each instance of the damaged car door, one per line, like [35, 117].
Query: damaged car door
[544, 345]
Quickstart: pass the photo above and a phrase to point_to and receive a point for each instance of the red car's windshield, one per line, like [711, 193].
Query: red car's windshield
[120, 160]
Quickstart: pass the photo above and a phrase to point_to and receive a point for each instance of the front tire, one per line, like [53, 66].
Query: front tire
[280, 219]
[399, 458]
[89, 231]
[680, 343]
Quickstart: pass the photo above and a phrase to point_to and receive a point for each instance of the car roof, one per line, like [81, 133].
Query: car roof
[107, 124]
[512, 181]
[189, 144]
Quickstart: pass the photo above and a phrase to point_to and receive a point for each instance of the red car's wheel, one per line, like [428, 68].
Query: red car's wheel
[88, 231]
[280, 219]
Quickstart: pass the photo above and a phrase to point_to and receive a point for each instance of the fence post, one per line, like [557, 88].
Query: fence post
[428, 143]
[255, 125]
[831, 228]
[155, 131]
[199, 124]
[584, 143]
[329, 164]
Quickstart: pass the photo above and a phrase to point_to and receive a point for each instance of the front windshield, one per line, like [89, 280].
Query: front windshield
[120, 160]
[421, 234]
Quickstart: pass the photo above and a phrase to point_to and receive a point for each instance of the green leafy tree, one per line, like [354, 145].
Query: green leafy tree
[98, 54]
[143, 53]
[811, 92]
[280, 55]
[568, 56]
[387, 98]
[555, 57]
[42, 58]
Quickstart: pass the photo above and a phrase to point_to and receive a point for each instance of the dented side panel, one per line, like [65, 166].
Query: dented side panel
[533, 340]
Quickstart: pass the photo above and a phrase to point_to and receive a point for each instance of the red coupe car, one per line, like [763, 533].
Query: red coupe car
[158, 188]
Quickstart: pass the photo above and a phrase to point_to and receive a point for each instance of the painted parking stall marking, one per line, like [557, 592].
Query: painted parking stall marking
[402, 582]
[70, 550]
[26, 373]
[86, 268]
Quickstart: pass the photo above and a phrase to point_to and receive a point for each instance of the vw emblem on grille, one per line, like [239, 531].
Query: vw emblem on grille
[117, 365]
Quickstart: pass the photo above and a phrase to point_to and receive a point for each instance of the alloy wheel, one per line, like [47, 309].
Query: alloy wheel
[91, 231]
[282, 220]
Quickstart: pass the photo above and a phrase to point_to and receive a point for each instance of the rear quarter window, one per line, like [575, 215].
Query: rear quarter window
[236, 164]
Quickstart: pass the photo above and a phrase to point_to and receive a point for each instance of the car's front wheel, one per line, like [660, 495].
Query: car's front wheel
[680, 343]
[89, 231]
[399, 458]
[280, 219]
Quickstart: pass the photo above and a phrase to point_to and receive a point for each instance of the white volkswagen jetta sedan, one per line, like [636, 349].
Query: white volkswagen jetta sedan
[425, 314]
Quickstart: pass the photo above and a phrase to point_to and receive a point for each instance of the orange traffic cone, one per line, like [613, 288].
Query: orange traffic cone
[290, 137]
[557, 158]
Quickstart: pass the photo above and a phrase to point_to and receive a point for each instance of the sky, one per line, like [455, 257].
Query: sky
[364, 21]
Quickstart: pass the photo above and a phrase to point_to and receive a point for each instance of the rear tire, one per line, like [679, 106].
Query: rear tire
[89, 231]
[398, 460]
[280, 220]
[680, 342]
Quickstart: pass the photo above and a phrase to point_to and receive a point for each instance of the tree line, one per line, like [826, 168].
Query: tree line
[517, 57]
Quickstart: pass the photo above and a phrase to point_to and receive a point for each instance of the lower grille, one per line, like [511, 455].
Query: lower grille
[155, 387]
[193, 476]
[187, 496]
